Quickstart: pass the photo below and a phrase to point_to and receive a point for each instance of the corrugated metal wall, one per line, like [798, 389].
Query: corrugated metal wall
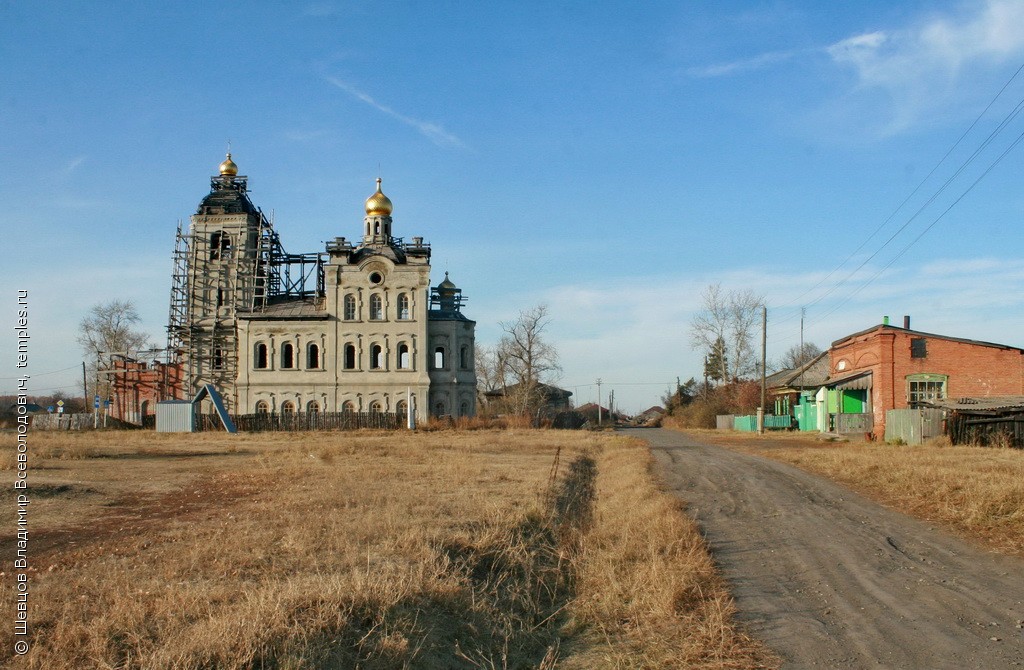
[175, 416]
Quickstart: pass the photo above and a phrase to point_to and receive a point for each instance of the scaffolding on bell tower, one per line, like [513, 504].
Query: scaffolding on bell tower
[223, 269]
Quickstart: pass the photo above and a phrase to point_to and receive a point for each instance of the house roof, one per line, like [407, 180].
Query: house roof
[811, 374]
[548, 389]
[980, 404]
[883, 326]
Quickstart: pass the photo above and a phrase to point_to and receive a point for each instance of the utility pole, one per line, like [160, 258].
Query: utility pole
[611, 405]
[764, 364]
[599, 401]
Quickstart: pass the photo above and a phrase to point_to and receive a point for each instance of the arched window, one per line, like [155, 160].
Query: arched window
[376, 307]
[260, 358]
[287, 356]
[402, 407]
[464, 357]
[313, 407]
[350, 307]
[348, 406]
[217, 360]
[220, 246]
[220, 297]
[287, 407]
[313, 356]
[376, 357]
[403, 306]
[464, 409]
[439, 408]
[263, 407]
[439, 358]
[350, 357]
[403, 356]
[376, 407]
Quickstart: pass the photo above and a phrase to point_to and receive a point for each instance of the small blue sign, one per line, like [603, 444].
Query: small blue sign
[50, 409]
[96, 402]
[106, 404]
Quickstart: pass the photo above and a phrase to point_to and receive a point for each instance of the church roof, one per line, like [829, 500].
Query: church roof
[227, 193]
[296, 309]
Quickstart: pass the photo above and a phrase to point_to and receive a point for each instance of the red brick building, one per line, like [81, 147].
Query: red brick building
[886, 367]
[136, 387]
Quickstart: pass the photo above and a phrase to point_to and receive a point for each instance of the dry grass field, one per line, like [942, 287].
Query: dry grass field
[451, 549]
[978, 492]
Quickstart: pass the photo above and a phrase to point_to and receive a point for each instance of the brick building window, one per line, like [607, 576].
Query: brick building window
[350, 307]
[287, 355]
[918, 347]
[924, 388]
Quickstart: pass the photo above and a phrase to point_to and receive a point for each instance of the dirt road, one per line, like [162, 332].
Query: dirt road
[830, 579]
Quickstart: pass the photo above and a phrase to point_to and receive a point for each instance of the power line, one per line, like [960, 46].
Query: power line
[916, 189]
[43, 374]
[930, 226]
[1004, 123]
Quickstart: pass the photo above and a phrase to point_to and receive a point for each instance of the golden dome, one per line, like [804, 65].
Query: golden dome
[228, 167]
[378, 204]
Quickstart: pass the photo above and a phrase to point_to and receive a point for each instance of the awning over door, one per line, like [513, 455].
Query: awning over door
[855, 381]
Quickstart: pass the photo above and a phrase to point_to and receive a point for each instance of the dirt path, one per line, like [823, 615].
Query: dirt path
[831, 580]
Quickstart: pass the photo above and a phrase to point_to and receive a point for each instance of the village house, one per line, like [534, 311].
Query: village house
[886, 367]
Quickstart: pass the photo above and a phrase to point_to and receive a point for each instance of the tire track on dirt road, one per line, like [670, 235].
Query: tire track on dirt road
[830, 579]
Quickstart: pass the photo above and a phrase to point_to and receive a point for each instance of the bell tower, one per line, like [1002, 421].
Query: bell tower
[221, 278]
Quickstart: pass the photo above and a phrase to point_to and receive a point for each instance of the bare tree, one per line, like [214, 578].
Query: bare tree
[491, 373]
[526, 359]
[730, 317]
[108, 328]
[798, 355]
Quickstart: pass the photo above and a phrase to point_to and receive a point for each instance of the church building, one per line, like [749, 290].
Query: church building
[354, 328]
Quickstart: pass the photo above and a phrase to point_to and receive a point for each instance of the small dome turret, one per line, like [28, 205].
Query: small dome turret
[228, 167]
[379, 204]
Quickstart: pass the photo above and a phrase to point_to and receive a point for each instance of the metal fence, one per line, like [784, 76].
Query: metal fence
[296, 421]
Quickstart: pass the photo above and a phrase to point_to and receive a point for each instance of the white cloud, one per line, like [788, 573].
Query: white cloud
[920, 69]
[72, 165]
[758, 62]
[432, 131]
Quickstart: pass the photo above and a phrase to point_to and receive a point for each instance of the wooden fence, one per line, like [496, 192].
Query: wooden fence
[986, 430]
[854, 423]
[912, 426]
[296, 421]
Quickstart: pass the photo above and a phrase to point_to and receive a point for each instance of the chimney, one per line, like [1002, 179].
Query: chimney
[906, 323]
[885, 320]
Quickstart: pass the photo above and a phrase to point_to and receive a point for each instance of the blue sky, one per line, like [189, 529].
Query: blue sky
[608, 159]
